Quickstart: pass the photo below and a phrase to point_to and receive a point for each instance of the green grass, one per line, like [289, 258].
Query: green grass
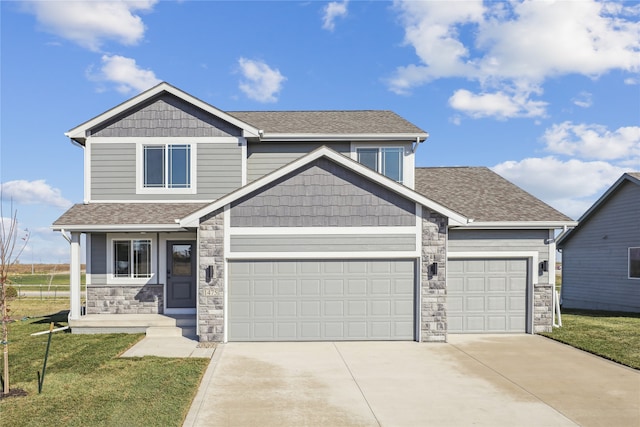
[61, 279]
[87, 384]
[615, 336]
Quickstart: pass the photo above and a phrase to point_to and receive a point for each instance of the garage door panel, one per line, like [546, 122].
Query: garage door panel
[487, 295]
[346, 300]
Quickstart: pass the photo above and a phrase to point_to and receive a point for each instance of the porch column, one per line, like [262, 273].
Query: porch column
[75, 294]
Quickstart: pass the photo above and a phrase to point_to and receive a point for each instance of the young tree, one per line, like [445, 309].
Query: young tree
[11, 246]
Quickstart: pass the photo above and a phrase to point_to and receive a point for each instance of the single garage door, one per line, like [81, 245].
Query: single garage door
[487, 295]
[315, 300]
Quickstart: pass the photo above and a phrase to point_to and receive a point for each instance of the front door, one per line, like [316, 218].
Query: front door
[181, 274]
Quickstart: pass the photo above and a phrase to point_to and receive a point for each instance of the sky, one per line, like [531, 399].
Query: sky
[545, 93]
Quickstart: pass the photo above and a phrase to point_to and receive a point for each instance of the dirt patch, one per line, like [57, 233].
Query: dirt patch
[14, 392]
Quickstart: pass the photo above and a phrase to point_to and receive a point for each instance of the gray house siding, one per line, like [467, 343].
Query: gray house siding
[98, 261]
[113, 172]
[595, 258]
[323, 194]
[263, 159]
[166, 116]
[502, 240]
[324, 243]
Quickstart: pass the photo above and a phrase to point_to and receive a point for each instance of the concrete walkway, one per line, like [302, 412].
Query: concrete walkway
[169, 347]
[521, 380]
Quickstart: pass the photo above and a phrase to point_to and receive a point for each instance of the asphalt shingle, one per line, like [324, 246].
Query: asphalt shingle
[483, 195]
[126, 213]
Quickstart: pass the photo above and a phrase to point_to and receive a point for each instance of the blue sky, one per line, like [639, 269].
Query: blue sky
[547, 94]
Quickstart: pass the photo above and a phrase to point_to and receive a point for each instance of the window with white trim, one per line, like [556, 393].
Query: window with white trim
[132, 258]
[385, 160]
[634, 263]
[166, 166]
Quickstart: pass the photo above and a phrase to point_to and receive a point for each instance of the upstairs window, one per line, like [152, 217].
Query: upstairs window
[167, 166]
[387, 161]
[634, 263]
[132, 258]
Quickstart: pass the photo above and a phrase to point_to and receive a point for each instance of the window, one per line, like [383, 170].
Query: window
[132, 258]
[634, 263]
[387, 161]
[167, 166]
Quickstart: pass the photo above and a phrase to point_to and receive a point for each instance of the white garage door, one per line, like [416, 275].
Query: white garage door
[487, 295]
[309, 300]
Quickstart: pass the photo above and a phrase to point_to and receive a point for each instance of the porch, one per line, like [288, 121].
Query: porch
[153, 325]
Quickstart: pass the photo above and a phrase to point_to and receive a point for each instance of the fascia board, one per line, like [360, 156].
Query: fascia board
[607, 194]
[118, 227]
[454, 217]
[296, 137]
[80, 131]
[519, 224]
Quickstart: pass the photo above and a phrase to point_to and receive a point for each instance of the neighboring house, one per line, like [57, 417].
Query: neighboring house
[298, 225]
[601, 256]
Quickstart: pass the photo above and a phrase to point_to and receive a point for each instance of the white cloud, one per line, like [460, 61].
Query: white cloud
[91, 23]
[584, 100]
[125, 73]
[593, 141]
[332, 11]
[516, 45]
[36, 192]
[261, 82]
[500, 104]
[570, 186]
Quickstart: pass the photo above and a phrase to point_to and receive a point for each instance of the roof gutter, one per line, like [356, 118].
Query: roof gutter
[509, 225]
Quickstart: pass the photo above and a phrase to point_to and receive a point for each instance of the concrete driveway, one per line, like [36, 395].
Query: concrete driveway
[481, 380]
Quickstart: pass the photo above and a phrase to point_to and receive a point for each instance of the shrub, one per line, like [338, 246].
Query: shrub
[11, 292]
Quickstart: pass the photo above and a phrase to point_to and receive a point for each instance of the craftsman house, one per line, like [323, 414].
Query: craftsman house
[601, 256]
[297, 225]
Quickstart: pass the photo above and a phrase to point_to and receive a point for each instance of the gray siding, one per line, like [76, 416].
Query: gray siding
[324, 243]
[113, 172]
[595, 258]
[502, 240]
[323, 194]
[98, 258]
[166, 116]
[263, 159]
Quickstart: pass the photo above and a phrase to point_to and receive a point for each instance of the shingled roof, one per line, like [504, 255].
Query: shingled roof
[481, 194]
[328, 122]
[108, 214]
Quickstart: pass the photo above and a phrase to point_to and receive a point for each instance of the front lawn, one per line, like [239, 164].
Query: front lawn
[87, 384]
[615, 336]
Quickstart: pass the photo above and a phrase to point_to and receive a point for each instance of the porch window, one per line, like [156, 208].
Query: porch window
[132, 258]
[384, 160]
[167, 166]
[634, 263]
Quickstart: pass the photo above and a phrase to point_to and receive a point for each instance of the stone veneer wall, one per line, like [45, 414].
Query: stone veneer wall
[542, 308]
[433, 291]
[211, 289]
[125, 299]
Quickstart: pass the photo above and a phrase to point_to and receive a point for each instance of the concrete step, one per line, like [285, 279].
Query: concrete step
[164, 331]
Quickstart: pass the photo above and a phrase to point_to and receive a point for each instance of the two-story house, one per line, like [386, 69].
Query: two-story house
[297, 225]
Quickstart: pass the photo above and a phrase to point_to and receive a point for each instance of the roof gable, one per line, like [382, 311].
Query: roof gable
[631, 178]
[333, 156]
[79, 133]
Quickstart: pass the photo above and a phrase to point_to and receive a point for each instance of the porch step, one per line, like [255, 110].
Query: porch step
[164, 331]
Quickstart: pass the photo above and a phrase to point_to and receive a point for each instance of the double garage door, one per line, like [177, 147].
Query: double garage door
[487, 295]
[315, 300]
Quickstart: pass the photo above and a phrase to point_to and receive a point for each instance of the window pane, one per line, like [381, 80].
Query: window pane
[181, 260]
[154, 166]
[179, 167]
[392, 163]
[121, 258]
[634, 263]
[368, 157]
